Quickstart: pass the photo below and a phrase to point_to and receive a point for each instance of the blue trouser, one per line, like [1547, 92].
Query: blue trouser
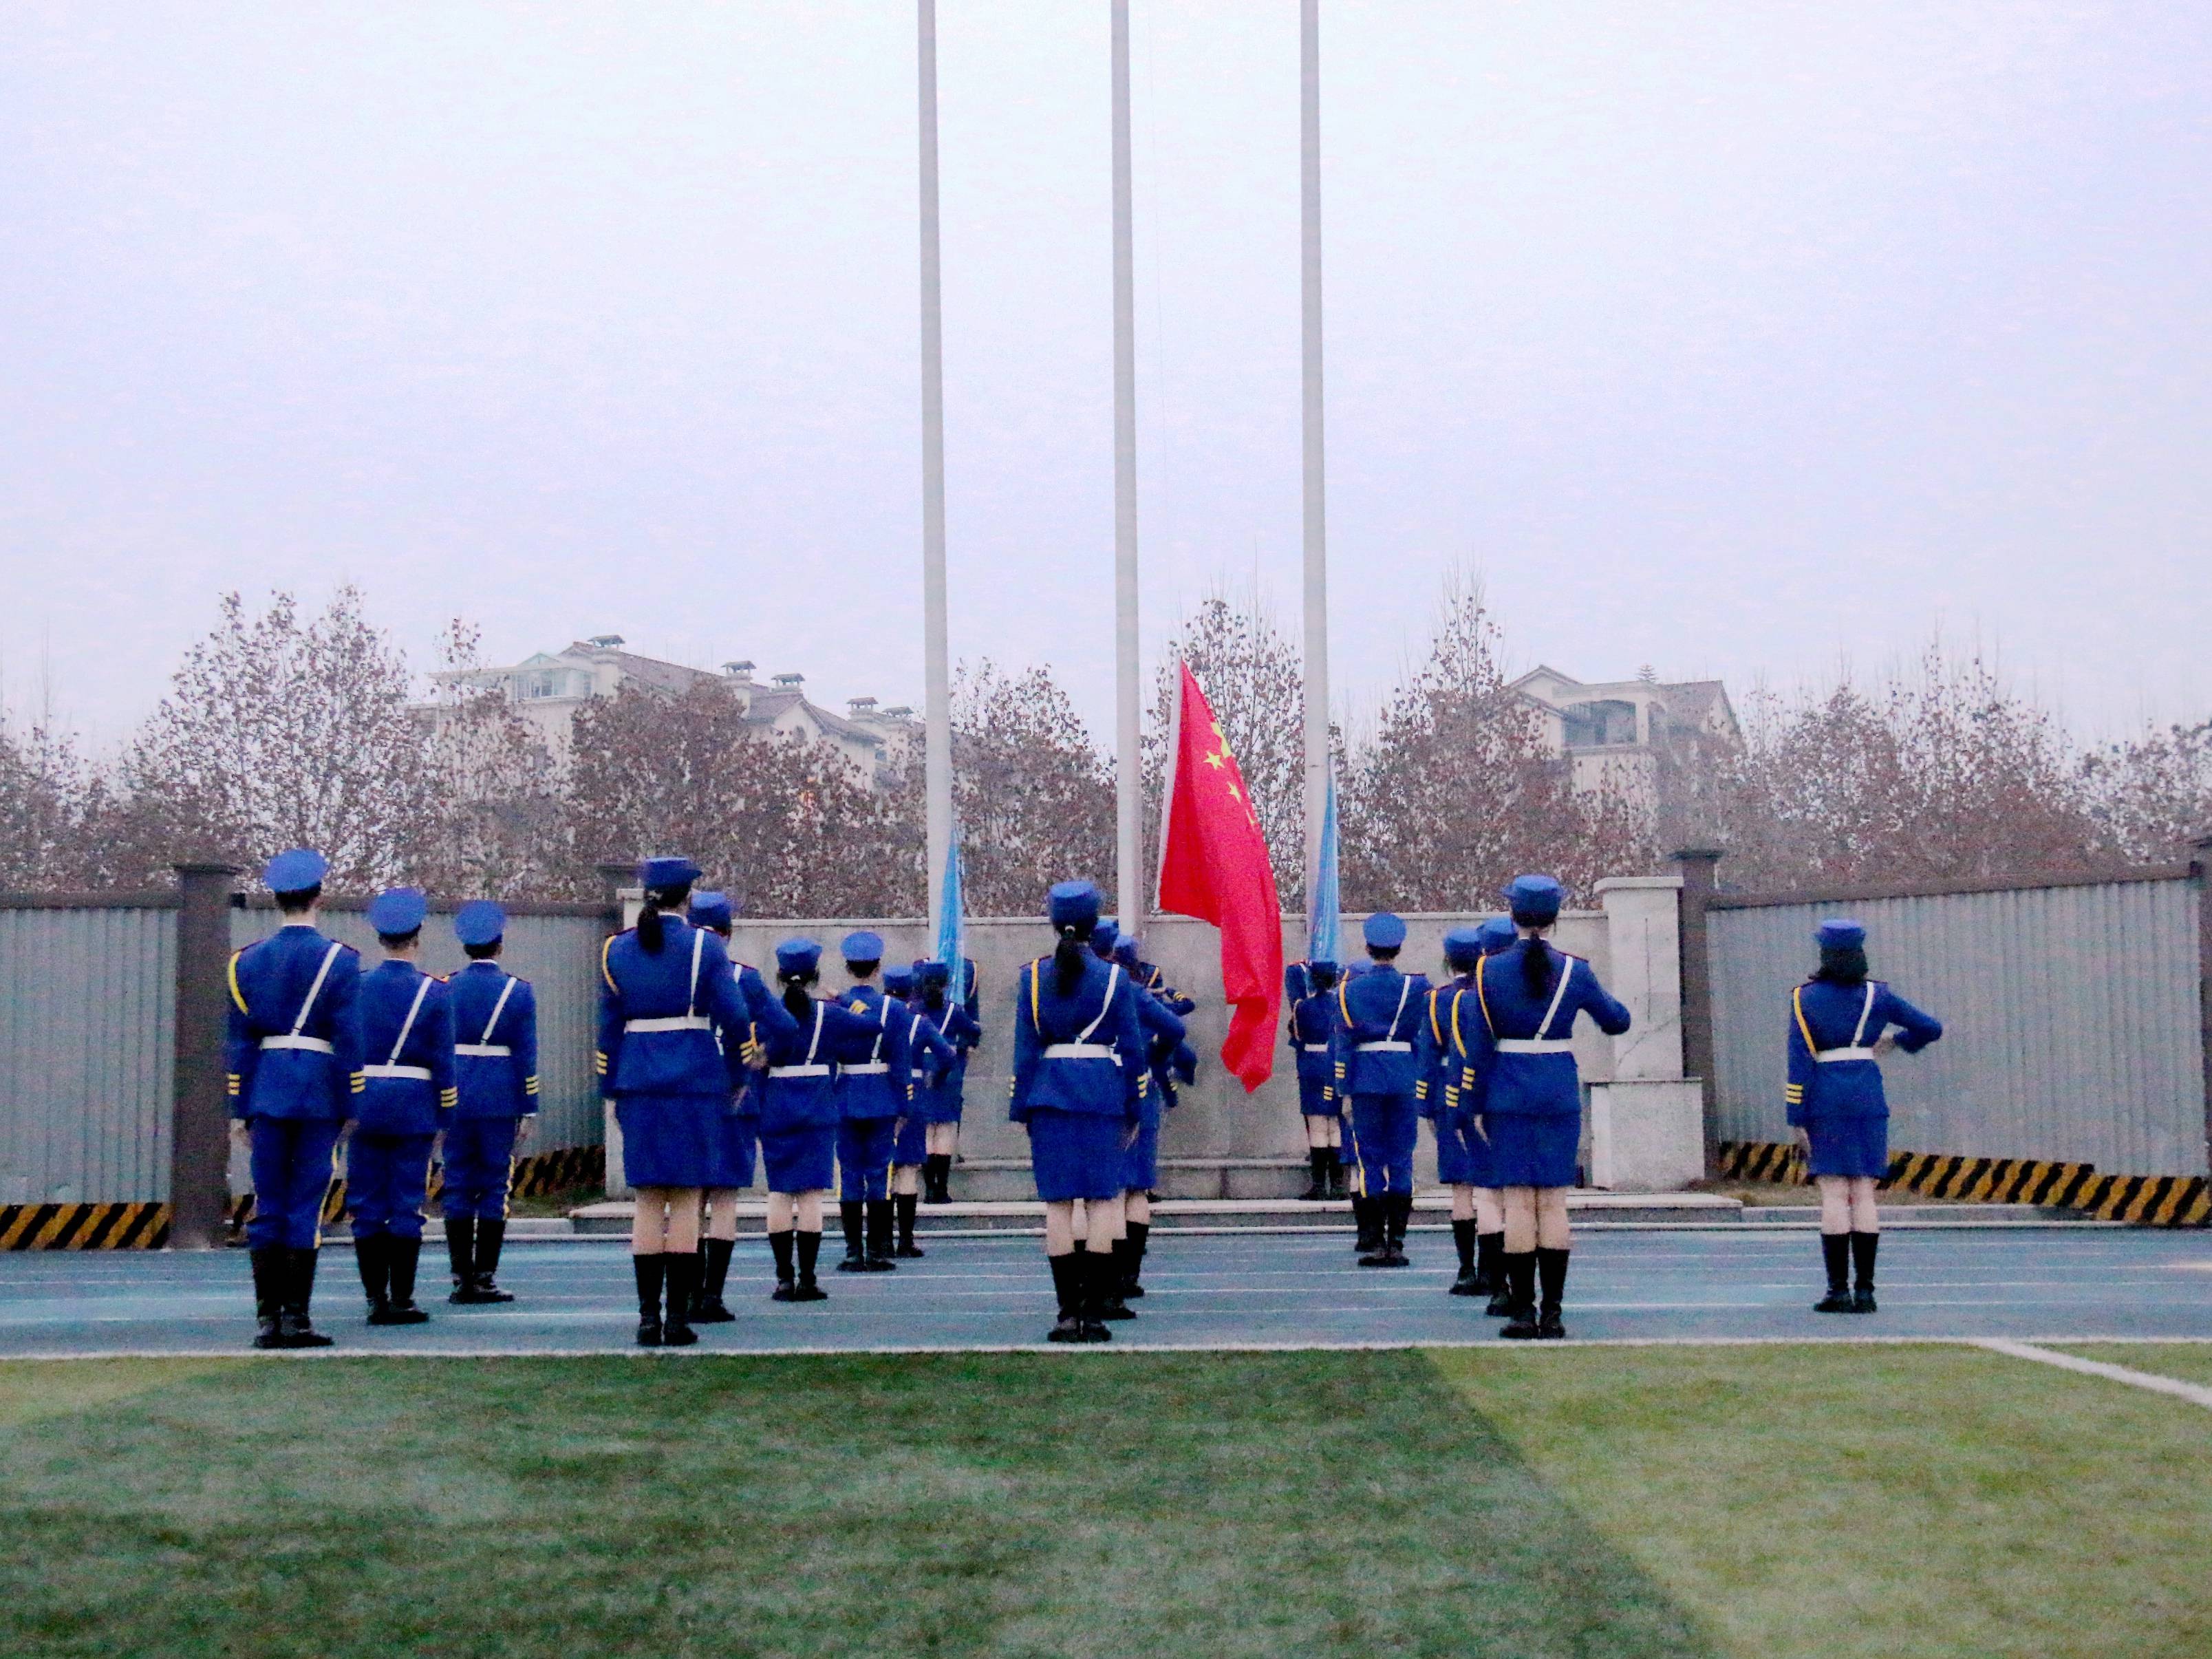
[291, 1165]
[479, 1164]
[865, 1145]
[387, 1176]
[1385, 1127]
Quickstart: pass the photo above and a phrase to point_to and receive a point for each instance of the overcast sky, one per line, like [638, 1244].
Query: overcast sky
[1738, 340]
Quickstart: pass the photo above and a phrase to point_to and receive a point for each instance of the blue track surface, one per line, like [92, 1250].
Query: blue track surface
[1219, 1290]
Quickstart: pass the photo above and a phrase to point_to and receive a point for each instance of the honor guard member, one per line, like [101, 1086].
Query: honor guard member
[875, 1089]
[1463, 1160]
[1378, 1015]
[1310, 988]
[496, 1073]
[1840, 1022]
[730, 1169]
[801, 1115]
[1531, 1104]
[934, 1058]
[1078, 1087]
[292, 1056]
[669, 1013]
[1163, 1034]
[407, 1045]
[940, 1109]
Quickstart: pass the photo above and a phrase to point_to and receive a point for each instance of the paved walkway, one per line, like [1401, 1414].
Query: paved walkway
[1215, 1290]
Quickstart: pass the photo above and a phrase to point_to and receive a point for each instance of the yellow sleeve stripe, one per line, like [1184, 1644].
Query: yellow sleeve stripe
[1436, 1030]
[1459, 1043]
[1483, 996]
[236, 995]
[1797, 1007]
[605, 972]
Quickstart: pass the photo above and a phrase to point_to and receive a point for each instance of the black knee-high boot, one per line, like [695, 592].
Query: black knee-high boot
[268, 1263]
[708, 1308]
[684, 1268]
[1066, 1286]
[375, 1273]
[937, 1175]
[401, 1256]
[1134, 1263]
[1468, 1284]
[1836, 1257]
[1317, 1188]
[879, 1237]
[1107, 1276]
[1863, 1246]
[461, 1256]
[295, 1327]
[905, 1204]
[1397, 1212]
[491, 1234]
[778, 1246]
[1552, 1270]
[1095, 1280]
[1520, 1295]
[851, 1217]
[810, 1252]
[1339, 1185]
[1488, 1248]
[652, 1272]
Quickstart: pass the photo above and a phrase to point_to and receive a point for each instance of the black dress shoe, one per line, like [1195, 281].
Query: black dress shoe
[785, 1290]
[648, 1333]
[808, 1291]
[711, 1310]
[1501, 1306]
[1863, 1301]
[910, 1252]
[854, 1264]
[1522, 1329]
[1066, 1329]
[1548, 1327]
[1095, 1330]
[1469, 1283]
[1836, 1301]
[678, 1336]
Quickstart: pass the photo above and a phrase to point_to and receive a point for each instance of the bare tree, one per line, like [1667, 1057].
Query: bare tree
[1033, 795]
[50, 800]
[498, 829]
[2151, 796]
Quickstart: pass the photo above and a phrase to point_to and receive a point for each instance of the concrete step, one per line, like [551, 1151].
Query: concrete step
[1001, 1180]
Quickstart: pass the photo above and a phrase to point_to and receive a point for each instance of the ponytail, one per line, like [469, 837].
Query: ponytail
[650, 931]
[796, 1001]
[1535, 956]
[1842, 964]
[1067, 961]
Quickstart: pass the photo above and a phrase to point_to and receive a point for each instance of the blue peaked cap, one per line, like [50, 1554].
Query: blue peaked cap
[296, 871]
[1463, 946]
[1383, 931]
[899, 981]
[1125, 952]
[926, 974]
[797, 956]
[1496, 934]
[863, 946]
[398, 910]
[1840, 935]
[1073, 904]
[709, 910]
[1535, 895]
[479, 921]
[667, 872]
[1105, 935]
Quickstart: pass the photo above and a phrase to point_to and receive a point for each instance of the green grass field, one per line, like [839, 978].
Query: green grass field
[1620, 1502]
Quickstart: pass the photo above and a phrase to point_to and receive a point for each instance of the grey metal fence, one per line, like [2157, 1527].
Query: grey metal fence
[2072, 1019]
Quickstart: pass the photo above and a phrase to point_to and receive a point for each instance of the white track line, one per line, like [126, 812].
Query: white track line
[2195, 1392]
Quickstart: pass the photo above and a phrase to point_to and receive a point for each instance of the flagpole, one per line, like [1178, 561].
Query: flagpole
[936, 678]
[1130, 898]
[1316, 521]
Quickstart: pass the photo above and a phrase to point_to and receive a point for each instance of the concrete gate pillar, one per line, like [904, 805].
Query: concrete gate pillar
[1647, 1122]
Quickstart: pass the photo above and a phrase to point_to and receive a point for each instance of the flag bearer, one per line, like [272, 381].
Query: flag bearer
[934, 1058]
[734, 1131]
[495, 1073]
[800, 1116]
[875, 1089]
[1531, 1104]
[1838, 1021]
[940, 1109]
[1078, 1087]
[669, 1012]
[1163, 1042]
[1378, 1015]
[407, 1045]
[292, 1056]
[1307, 987]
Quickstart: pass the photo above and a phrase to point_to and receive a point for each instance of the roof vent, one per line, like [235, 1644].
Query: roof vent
[898, 711]
[739, 671]
[606, 641]
[861, 705]
[790, 679]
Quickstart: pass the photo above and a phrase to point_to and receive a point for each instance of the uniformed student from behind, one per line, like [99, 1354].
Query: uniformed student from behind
[1378, 1014]
[496, 1073]
[875, 1090]
[1310, 988]
[292, 1060]
[407, 1050]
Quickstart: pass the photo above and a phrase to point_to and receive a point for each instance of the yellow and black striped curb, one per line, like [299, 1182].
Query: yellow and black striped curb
[83, 1226]
[560, 1171]
[2145, 1200]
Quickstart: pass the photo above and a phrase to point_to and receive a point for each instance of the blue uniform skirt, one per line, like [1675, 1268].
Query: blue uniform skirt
[668, 1140]
[1312, 1098]
[942, 1103]
[800, 1158]
[1141, 1164]
[1531, 1149]
[1855, 1146]
[1076, 1154]
[913, 1138]
[731, 1140]
[1452, 1164]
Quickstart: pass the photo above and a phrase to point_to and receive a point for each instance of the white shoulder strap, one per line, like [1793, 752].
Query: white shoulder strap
[408, 1025]
[1558, 997]
[1112, 981]
[698, 947]
[1866, 1013]
[498, 1008]
[316, 989]
[815, 1041]
[1405, 989]
[883, 1026]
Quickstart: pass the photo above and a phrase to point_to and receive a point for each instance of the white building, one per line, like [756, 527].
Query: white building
[548, 688]
[1624, 735]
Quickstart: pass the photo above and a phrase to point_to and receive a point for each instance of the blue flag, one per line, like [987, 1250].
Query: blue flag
[1320, 944]
[951, 924]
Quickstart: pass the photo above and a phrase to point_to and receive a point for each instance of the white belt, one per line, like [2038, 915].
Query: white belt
[1386, 1048]
[313, 1045]
[1534, 1046]
[868, 1068]
[1830, 1056]
[920, 1074]
[673, 1023]
[798, 1071]
[1315, 1047]
[483, 1050]
[1082, 1051]
[414, 1073]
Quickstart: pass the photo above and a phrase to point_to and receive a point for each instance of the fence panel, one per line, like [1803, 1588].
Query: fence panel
[2071, 1020]
[88, 1019]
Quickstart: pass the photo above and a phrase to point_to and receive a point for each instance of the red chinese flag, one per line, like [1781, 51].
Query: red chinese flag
[1214, 866]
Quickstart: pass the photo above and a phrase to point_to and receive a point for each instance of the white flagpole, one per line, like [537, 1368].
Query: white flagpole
[936, 678]
[1316, 520]
[1128, 774]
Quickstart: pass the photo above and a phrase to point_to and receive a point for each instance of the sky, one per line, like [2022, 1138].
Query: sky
[1749, 340]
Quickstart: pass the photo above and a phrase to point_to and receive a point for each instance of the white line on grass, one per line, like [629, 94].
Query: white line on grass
[2196, 1394]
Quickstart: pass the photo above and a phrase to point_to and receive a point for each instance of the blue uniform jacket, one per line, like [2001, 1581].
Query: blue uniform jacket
[1150, 978]
[1378, 1015]
[407, 1050]
[490, 1016]
[1842, 1022]
[1163, 1035]
[764, 1012]
[934, 1057]
[1311, 1025]
[1441, 1054]
[799, 1090]
[1098, 1014]
[1517, 1082]
[875, 1073]
[284, 1055]
[667, 1021]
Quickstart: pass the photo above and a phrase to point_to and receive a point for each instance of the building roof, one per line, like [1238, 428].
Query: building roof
[672, 678]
